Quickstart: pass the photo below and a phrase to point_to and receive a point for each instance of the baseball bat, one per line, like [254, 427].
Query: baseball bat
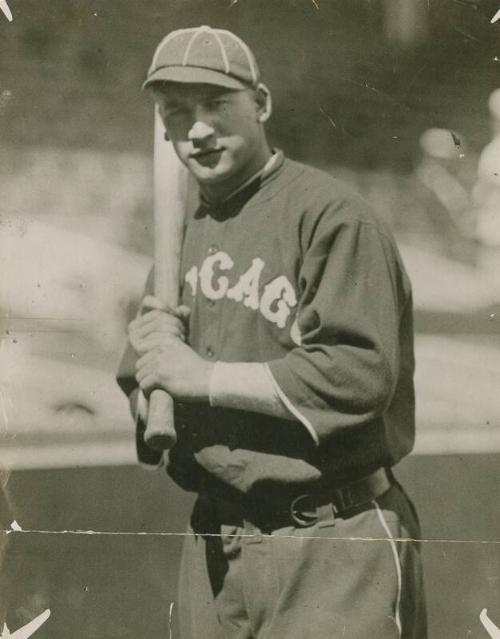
[170, 201]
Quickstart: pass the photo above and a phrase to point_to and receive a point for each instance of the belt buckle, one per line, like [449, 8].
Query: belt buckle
[303, 517]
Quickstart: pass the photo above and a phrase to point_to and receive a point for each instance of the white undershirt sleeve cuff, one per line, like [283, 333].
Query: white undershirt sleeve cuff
[251, 387]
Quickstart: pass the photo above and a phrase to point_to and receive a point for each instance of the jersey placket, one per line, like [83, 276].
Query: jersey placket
[209, 308]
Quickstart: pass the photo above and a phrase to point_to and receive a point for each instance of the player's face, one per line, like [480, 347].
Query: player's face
[217, 133]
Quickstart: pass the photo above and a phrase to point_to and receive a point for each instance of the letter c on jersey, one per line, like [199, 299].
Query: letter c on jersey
[207, 283]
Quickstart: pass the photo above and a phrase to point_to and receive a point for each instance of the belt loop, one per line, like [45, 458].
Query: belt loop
[326, 515]
[252, 534]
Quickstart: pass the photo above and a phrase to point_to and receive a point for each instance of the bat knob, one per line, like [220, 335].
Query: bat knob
[159, 440]
[160, 431]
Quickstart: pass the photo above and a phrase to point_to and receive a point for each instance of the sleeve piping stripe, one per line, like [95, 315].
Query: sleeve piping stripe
[293, 409]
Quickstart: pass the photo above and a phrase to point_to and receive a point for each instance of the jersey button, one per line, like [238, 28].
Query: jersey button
[209, 352]
[211, 303]
[213, 249]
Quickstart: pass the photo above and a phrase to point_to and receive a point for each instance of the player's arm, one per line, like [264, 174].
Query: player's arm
[166, 361]
[355, 303]
[242, 386]
[161, 358]
[251, 387]
[355, 323]
[149, 327]
[344, 372]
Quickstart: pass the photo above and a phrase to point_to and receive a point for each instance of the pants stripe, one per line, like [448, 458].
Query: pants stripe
[397, 562]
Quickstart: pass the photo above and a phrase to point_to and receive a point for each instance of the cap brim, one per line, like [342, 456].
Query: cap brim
[193, 75]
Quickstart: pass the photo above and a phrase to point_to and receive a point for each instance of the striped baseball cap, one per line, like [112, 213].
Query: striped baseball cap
[206, 56]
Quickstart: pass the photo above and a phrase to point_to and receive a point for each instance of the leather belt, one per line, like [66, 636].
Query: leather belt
[343, 499]
[299, 511]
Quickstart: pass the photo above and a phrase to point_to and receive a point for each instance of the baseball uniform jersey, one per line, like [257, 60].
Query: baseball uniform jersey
[295, 271]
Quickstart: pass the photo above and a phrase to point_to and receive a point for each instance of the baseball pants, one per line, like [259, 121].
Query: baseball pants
[356, 576]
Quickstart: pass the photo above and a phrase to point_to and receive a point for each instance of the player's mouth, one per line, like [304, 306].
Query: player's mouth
[206, 157]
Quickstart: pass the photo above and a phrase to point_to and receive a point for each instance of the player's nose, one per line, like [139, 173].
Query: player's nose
[200, 132]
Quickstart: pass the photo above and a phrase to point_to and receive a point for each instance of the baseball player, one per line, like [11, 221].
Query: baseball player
[6, 518]
[290, 361]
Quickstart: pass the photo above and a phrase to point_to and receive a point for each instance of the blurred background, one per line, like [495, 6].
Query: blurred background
[400, 98]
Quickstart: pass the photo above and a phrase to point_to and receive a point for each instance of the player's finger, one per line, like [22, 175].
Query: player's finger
[149, 316]
[144, 332]
[155, 320]
[156, 313]
[166, 320]
[144, 360]
[158, 340]
[158, 337]
[148, 384]
[150, 302]
[144, 373]
[164, 336]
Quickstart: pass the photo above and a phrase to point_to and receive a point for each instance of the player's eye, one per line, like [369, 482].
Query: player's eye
[217, 103]
[171, 113]
[174, 111]
[176, 120]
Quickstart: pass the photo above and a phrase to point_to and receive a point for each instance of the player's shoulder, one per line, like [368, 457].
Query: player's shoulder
[318, 194]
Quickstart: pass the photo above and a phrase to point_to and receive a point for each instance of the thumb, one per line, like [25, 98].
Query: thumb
[183, 312]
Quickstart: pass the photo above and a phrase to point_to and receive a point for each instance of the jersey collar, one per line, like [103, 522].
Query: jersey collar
[231, 205]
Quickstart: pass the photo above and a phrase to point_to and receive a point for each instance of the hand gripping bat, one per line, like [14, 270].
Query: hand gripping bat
[170, 202]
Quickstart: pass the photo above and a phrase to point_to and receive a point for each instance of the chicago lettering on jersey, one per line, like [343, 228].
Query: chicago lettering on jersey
[274, 301]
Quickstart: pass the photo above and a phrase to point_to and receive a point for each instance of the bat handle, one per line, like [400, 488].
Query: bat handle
[160, 432]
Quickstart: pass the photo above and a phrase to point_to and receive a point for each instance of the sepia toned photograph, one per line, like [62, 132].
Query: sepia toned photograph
[250, 306]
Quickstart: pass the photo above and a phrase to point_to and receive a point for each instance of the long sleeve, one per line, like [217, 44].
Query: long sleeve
[346, 371]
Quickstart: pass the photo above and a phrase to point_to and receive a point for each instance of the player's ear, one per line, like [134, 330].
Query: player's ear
[264, 102]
